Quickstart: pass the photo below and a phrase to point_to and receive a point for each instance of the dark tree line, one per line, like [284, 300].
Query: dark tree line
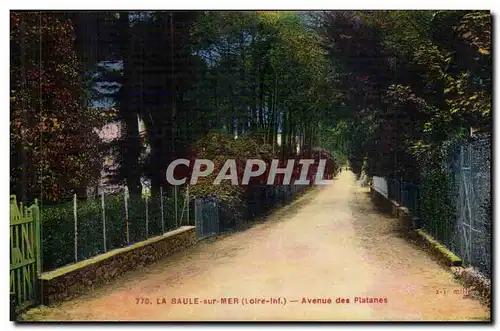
[375, 88]
[410, 80]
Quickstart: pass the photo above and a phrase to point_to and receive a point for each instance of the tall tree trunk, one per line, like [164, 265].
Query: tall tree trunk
[261, 100]
[254, 76]
[270, 122]
[23, 159]
[276, 114]
[132, 143]
[164, 116]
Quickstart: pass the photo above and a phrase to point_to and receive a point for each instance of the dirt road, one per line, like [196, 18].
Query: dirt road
[329, 244]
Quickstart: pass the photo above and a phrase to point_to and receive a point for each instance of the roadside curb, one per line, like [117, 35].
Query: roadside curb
[447, 256]
[477, 283]
[410, 225]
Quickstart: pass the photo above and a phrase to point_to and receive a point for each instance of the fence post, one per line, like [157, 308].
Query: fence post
[414, 202]
[195, 215]
[103, 221]
[37, 239]
[200, 215]
[161, 206]
[402, 193]
[147, 221]
[76, 227]
[188, 201]
[217, 215]
[125, 197]
[175, 204]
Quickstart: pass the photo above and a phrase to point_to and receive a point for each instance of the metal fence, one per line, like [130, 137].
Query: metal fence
[266, 197]
[206, 215]
[404, 193]
[470, 166]
[43, 239]
[462, 218]
[84, 228]
[262, 199]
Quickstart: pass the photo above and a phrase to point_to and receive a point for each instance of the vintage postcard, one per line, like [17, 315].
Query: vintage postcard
[257, 166]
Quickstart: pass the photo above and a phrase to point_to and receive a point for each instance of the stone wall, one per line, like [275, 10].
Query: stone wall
[393, 208]
[70, 281]
[383, 203]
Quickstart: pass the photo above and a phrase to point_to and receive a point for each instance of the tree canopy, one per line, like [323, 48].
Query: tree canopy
[376, 88]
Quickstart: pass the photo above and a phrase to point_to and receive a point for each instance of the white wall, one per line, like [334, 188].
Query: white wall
[379, 184]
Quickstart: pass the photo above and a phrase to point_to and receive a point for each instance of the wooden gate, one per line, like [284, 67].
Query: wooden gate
[24, 253]
[206, 215]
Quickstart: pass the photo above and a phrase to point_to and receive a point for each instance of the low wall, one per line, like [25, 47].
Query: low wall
[70, 281]
[393, 208]
[411, 226]
[439, 250]
[382, 202]
[469, 277]
[380, 185]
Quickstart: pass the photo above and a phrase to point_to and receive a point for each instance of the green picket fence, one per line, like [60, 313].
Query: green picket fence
[24, 253]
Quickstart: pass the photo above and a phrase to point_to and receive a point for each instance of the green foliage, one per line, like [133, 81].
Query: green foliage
[380, 86]
[419, 77]
[220, 147]
[54, 148]
[58, 230]
[336, 140]
[435, 203]
[263, 71]
[115, 221]
[57, 236]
